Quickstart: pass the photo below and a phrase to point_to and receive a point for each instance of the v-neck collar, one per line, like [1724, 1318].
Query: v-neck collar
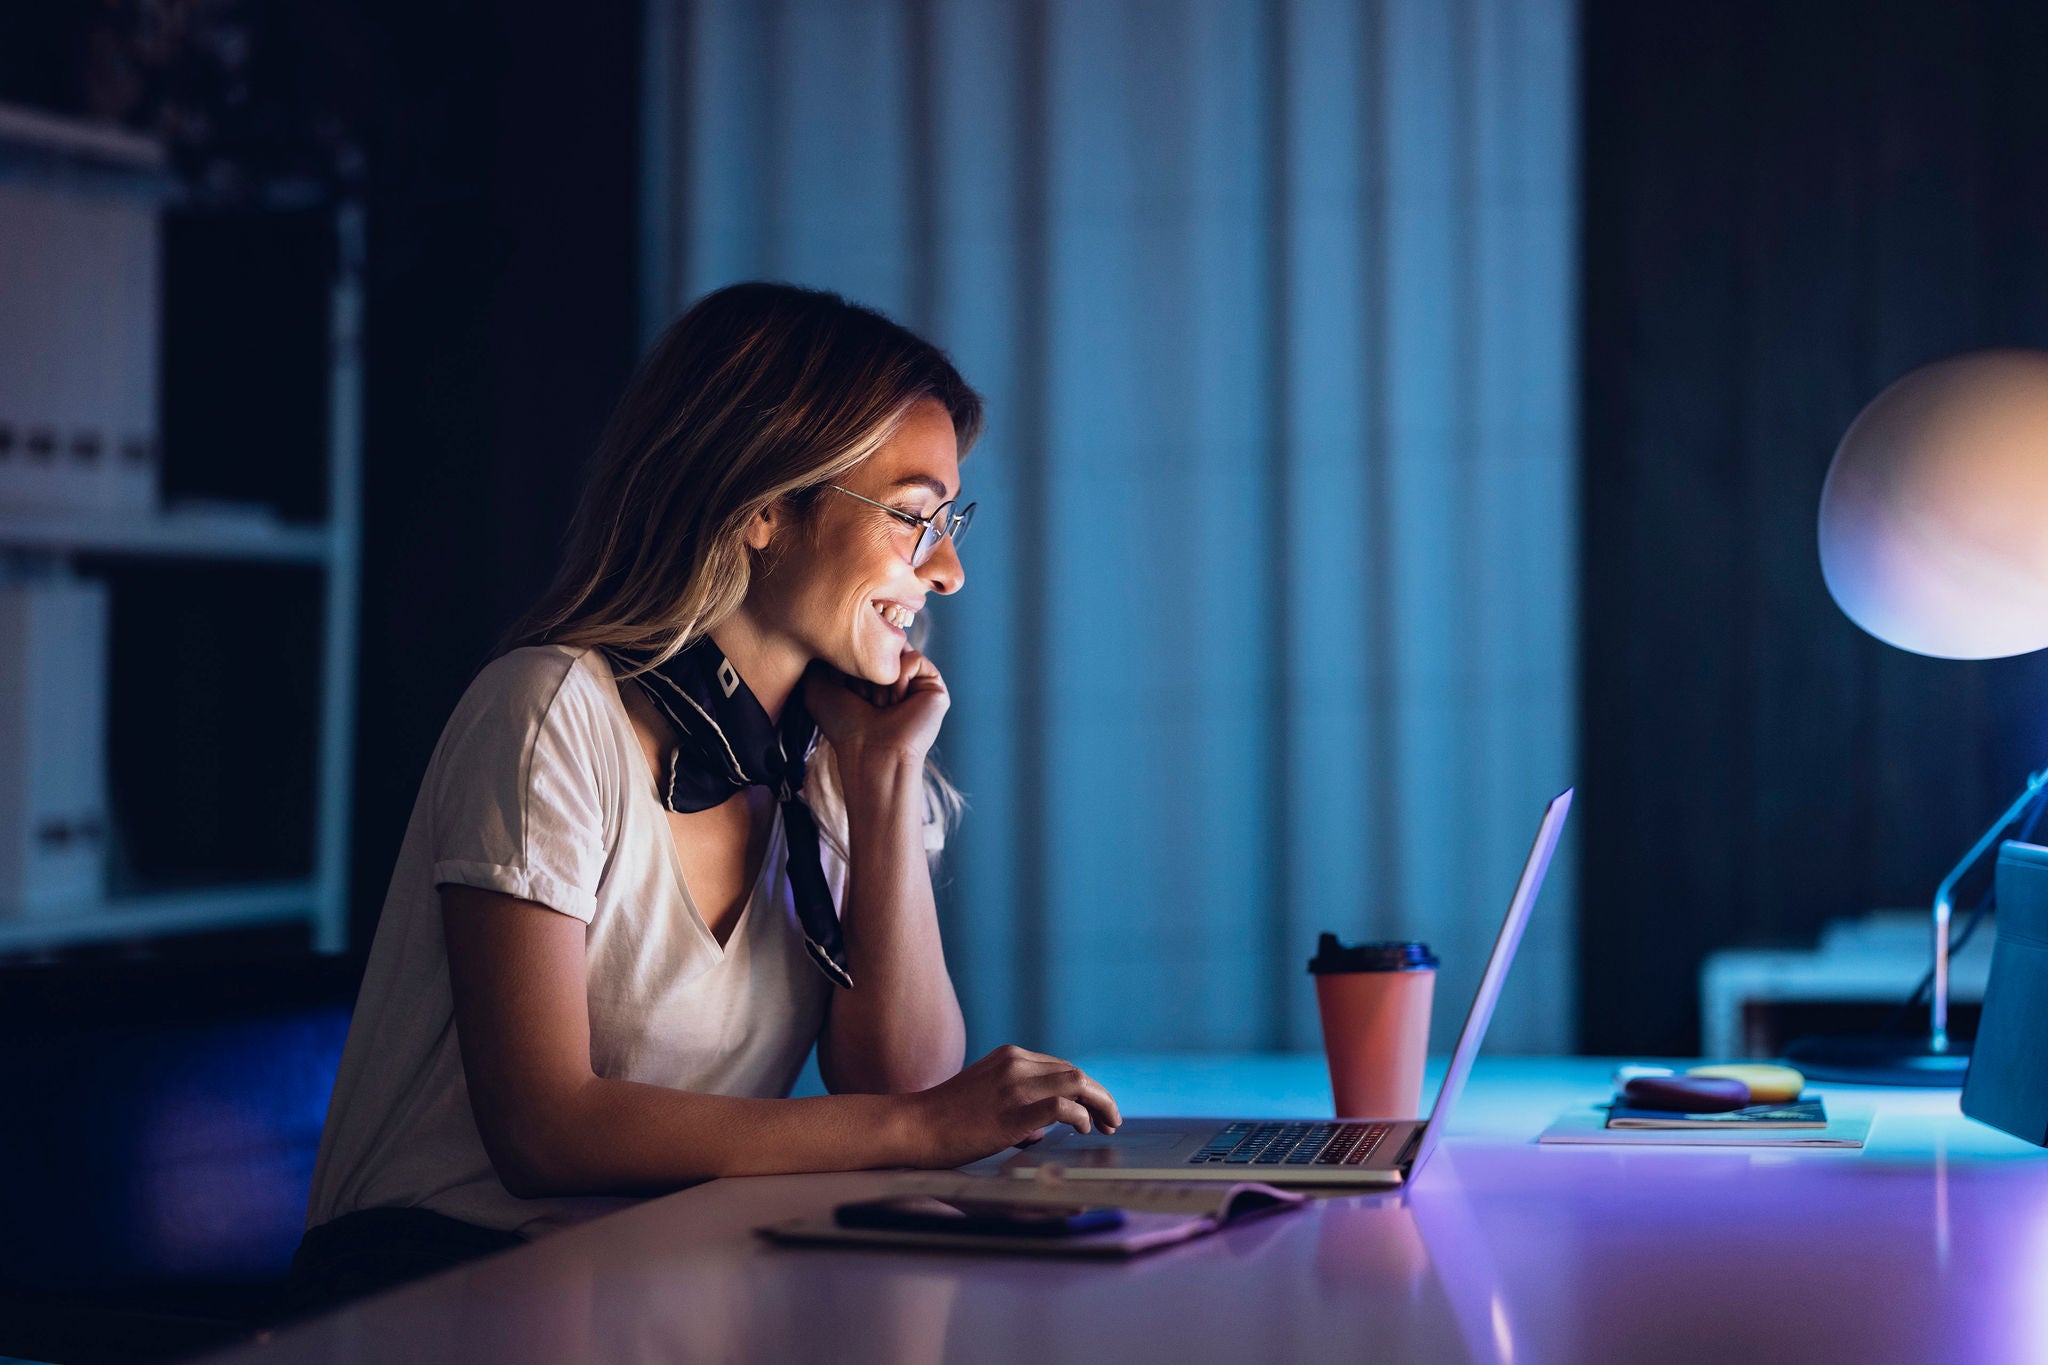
[651, 792]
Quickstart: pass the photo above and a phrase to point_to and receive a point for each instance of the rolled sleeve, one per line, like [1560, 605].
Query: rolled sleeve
[519, 805]
[526, 883]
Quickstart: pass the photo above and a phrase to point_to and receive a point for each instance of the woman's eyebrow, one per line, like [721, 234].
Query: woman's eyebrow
[922, 481]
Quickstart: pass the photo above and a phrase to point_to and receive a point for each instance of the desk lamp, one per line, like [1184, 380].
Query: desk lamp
[1934, 538]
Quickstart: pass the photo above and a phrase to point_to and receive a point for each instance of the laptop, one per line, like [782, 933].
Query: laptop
[1360, 1152]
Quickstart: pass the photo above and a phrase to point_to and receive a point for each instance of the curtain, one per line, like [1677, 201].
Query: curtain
[1269, 625]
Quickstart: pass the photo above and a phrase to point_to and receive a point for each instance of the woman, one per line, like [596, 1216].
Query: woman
[635, 892]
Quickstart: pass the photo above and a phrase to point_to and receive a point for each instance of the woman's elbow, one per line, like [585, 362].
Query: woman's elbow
[534, 1156]
[523, 1181]
[892, 1075]
[525, 1167]
[943, 1066]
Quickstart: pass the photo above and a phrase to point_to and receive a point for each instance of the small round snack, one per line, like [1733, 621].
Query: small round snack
[1767, 1084]
[1685, 1094]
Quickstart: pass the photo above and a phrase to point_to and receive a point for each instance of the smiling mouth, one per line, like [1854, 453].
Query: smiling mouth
[899, 617]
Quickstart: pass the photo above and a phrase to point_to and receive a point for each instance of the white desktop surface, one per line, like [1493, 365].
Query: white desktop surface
[1930, 1244]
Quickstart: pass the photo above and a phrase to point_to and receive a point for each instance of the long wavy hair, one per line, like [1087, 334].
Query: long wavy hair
[760, 392]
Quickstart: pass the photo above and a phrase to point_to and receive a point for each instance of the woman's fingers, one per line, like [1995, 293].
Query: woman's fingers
[1091, 1096]
[1060, 1109]
[1100, 1103]
[1066, 1078]
[1078, 1095]
[1088, 1091]
[914, 666]
[918, 674]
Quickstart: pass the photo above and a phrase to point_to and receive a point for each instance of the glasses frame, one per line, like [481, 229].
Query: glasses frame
[929, 535]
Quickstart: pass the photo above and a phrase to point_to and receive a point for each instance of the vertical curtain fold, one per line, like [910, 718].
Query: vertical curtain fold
[1269, 623]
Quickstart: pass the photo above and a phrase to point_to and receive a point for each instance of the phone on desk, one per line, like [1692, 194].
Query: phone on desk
[920, 1213]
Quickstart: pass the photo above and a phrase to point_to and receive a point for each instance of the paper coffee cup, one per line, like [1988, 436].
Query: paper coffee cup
[1374, 1000]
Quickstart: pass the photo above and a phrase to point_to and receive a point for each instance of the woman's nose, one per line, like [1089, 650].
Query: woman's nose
[943, 572]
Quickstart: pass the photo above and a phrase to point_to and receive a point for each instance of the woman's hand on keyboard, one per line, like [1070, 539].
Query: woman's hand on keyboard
[1007, 1098]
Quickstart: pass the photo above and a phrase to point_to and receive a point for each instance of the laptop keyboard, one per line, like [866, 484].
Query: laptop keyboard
[1292, 1144]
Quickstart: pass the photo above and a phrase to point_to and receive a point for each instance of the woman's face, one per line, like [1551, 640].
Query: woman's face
[841, 588]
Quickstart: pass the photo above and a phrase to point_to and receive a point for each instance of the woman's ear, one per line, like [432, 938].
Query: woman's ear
[765, 523]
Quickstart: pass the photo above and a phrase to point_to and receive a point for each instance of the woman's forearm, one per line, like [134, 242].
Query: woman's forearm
[898, 1028]
[623, 1137]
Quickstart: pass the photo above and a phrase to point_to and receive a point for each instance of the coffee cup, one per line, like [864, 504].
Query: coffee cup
[1374, 1000]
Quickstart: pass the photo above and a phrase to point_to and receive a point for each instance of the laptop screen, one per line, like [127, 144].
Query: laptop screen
[1510, 938]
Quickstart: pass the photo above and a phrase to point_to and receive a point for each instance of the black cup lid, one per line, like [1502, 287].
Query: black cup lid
[1332, 956]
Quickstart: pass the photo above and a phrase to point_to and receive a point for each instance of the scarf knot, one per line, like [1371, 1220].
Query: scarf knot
[725, 743]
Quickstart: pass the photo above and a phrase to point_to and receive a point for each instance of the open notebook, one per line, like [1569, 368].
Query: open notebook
[1156, 1214]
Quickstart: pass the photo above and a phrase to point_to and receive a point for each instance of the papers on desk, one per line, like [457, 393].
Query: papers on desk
[1156, 1213]
[1798, 1114]
[1588, 1125]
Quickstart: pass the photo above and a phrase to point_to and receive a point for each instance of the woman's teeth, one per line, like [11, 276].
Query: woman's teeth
[900, 617]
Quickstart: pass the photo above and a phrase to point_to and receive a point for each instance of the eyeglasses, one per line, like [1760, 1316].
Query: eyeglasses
[930, 530]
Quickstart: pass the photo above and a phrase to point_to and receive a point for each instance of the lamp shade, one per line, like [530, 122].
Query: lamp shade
[1934, 518]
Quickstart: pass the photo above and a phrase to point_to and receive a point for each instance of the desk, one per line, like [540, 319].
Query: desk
[1931, 1244]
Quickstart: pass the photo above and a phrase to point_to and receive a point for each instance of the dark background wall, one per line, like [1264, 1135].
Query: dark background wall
[502, 316]
[496, 149]
[1787, 206]
[500, 170]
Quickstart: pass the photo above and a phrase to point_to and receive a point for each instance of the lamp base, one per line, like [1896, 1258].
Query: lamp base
[1880, 1061]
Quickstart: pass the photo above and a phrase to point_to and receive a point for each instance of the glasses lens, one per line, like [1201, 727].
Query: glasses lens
[934, 531]
[945, 522]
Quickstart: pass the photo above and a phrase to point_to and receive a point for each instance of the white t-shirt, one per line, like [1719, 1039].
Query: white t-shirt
[539, 788]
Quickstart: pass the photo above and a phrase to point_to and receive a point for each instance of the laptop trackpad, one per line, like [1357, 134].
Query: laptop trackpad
[1129, 1142]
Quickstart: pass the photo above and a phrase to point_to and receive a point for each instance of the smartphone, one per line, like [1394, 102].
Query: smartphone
[918, 1213]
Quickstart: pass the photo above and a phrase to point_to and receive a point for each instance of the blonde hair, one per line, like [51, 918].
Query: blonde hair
[760, 392]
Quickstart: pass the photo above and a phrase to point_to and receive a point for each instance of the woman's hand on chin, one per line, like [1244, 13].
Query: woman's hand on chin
[867, 721]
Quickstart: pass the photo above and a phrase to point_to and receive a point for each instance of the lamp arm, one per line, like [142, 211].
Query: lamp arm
[1945, 902]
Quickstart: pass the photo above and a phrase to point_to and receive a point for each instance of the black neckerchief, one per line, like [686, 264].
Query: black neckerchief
[726, 743]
